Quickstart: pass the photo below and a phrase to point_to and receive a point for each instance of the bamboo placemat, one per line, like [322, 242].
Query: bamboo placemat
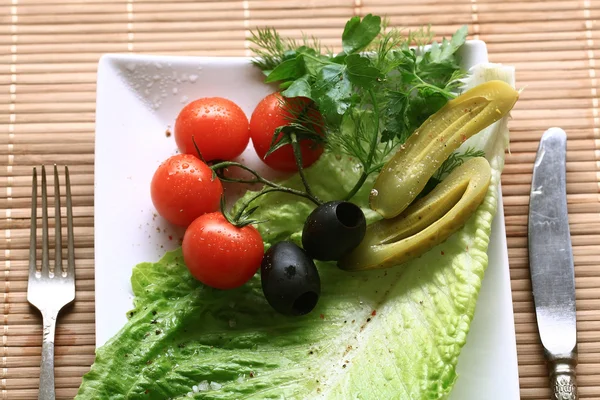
[48, 57]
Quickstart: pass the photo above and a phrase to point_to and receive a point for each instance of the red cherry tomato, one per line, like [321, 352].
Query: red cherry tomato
[183, 188]
[218, 125]
[268, 115]
[220, 254]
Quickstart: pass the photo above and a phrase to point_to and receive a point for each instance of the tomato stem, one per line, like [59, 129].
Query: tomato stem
[298, 157]
[260, 179]
[238, 216]
[372, 147]
[227, 218]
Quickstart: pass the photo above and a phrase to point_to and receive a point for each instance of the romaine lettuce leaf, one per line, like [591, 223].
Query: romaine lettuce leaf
[387, 334]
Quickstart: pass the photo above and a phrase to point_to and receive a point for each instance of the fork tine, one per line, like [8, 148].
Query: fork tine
[57, 227]
[33, 228]
[45, 251]
[70, 238]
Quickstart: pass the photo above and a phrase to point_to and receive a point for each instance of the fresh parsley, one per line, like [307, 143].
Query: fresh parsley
[373, 95]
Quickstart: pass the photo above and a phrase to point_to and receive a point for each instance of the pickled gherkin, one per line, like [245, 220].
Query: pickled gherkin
[426, 223]
[404, 176]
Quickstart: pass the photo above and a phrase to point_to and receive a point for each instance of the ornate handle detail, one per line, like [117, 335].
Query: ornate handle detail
[563, 380]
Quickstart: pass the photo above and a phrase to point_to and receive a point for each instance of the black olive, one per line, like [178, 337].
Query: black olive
[290, 280]
[333, 229]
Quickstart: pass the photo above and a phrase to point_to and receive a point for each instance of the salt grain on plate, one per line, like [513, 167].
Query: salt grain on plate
[175, 90]
[193, 78]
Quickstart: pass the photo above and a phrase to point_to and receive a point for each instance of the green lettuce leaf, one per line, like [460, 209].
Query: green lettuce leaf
[387, 334]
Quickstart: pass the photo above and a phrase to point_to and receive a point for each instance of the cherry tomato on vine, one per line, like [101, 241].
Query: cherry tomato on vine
[273, 112]
[218, 125]
[220, 254]
[183, 188]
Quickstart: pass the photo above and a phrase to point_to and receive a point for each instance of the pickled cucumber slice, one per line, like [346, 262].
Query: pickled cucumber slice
[406, 173]
[426, 223]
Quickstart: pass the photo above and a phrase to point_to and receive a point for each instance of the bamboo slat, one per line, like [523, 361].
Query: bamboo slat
[49, 51]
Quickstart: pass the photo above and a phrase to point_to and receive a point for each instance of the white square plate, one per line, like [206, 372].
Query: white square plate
[138, 99]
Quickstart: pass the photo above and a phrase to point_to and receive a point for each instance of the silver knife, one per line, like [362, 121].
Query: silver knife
[551, 264]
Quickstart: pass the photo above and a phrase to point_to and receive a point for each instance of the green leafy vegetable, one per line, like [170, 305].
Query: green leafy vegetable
[299, 88]
[445, 51]
[359, 34]
[289, 69]
[360, 71]
[408, 83]
[334, 91]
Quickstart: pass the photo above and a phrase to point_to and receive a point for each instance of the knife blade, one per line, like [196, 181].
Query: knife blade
[551, 264]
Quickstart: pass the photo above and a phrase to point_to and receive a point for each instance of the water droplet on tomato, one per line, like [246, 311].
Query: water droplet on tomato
[185, 165]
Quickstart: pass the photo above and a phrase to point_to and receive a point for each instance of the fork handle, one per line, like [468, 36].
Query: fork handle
[47, 391]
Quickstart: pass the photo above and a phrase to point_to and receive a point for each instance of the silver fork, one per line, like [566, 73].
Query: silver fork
[49, 291]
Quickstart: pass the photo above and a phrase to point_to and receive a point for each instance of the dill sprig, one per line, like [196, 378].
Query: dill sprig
[455, 160]
[270, 48]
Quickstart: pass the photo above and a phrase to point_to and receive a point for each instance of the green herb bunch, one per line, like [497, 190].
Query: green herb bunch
[373, 95]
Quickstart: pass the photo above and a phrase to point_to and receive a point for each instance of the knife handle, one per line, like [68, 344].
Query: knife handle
[563, 379]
